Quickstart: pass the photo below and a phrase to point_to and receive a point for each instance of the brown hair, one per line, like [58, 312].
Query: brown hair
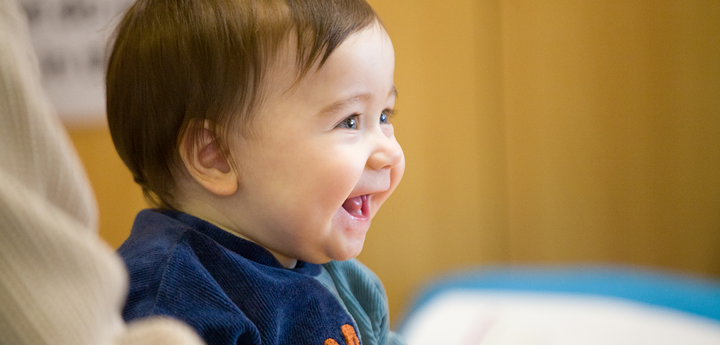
[176, 63]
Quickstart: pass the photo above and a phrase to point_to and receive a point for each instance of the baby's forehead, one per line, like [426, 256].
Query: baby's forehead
[286, 71]
[359, 71]
[289, 66]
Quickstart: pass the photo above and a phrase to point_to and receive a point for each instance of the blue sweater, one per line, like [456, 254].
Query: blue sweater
[233, 291]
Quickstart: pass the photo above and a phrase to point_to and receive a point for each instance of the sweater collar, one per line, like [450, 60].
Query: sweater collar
[247, 249]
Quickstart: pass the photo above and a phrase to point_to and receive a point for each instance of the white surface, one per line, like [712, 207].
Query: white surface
[69, 37]
[493, 318]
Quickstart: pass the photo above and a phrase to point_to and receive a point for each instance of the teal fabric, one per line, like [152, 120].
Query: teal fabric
[363, 296]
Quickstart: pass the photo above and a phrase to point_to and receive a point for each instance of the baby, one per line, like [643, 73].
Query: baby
[261, 130]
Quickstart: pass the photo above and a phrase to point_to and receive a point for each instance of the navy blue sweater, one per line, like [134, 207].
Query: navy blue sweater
[233, 291]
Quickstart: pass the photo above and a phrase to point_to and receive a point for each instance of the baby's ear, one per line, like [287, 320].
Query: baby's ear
[206, 163]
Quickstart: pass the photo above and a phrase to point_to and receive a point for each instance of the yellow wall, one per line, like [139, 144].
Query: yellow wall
[535, 132]
[119, 198]
[613, 131]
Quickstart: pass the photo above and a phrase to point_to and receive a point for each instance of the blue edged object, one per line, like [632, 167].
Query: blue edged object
[699, 296]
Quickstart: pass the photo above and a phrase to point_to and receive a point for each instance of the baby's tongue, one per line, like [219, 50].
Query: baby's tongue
[354, 206]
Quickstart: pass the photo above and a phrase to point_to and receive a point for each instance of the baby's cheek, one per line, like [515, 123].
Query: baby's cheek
[341, 178]
[330, 194]
[396, 173]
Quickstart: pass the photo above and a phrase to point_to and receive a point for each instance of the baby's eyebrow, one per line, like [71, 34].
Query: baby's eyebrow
[335, 106]
[338, 105]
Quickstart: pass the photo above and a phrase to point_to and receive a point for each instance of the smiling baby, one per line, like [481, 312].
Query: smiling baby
[261, 131]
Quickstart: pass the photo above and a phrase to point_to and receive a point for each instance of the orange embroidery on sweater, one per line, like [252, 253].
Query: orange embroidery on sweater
[350, 337]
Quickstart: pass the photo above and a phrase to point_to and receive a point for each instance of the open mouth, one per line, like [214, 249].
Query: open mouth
[357, 206]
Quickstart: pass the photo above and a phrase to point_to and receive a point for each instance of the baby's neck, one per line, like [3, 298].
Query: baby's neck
[212, 215]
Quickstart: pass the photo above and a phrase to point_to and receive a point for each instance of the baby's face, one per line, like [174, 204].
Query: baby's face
[325, 157]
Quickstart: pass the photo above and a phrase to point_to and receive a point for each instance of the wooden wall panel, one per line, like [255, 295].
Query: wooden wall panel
[613, 132]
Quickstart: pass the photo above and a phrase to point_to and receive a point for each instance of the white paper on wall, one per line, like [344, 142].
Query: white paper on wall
[70, 38]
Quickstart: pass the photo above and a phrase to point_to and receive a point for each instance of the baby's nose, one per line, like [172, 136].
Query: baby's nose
[387, 155]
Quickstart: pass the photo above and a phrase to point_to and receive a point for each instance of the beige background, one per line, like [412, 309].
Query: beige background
[541, 132]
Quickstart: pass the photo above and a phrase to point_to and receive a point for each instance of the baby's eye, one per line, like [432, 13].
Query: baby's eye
[385, 116]
[349, 122]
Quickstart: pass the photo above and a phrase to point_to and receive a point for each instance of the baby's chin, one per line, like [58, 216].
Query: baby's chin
[350, 253]
[339, 252]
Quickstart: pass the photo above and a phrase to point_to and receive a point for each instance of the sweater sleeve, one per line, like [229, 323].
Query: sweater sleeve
[59, 283]
[366, 300]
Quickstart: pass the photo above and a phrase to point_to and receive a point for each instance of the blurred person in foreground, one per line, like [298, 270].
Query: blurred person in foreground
[59, 283]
